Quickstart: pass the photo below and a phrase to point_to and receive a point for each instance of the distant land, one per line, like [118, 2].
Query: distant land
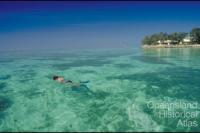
[173, 40]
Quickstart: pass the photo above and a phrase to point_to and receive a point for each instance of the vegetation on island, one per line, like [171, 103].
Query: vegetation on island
[176, 38]
[195, 34]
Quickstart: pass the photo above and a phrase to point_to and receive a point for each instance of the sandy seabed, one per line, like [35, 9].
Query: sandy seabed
[123, 82]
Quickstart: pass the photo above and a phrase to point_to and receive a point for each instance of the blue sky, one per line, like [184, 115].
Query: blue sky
[72, 25]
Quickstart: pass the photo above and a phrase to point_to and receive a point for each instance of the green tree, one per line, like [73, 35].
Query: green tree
[146, 40]
[153, 39]
[177, 36]
[195, 34]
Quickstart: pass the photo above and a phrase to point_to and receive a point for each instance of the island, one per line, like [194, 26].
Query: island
[173, 40]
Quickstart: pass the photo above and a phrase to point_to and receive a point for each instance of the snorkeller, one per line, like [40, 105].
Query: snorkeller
[73, 85]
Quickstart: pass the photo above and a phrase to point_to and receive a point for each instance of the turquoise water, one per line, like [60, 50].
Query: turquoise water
[123, 82]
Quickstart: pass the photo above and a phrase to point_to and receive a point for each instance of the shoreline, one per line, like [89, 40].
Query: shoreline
[172, 46]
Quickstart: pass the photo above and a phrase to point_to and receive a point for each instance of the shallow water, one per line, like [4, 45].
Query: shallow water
[122, 83]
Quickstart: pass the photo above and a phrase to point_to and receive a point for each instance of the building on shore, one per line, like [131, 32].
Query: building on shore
[167, 42]
[187, 40]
